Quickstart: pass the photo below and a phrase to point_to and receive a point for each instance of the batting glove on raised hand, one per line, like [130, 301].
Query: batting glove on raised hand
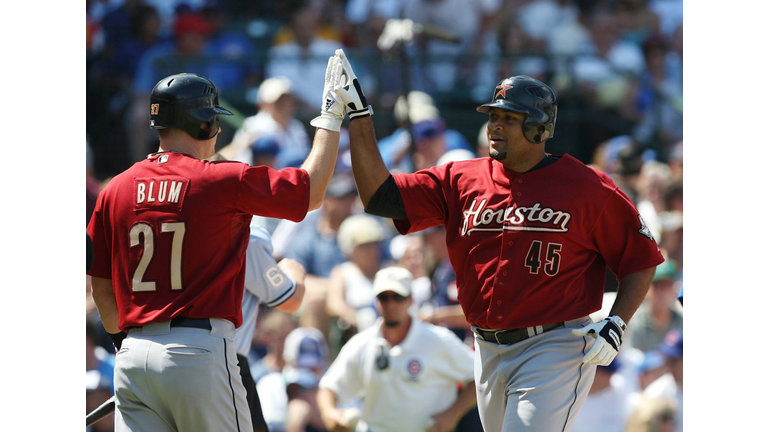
[351, 92]
[607, 333]
[332, 110]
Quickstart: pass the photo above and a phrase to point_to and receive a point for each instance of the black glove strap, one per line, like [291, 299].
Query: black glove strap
[117, 339]
[612, 334]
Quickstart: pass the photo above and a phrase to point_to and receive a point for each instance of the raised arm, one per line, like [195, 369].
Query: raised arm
[367, 165]
[325, 147]
[320, 164]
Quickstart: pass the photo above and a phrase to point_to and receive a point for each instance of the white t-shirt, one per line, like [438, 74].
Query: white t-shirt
[358, 293]
[420, 380]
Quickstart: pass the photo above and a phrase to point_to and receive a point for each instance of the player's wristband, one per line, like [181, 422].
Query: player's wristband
[117, 339]
[366, 112]
[619, 323]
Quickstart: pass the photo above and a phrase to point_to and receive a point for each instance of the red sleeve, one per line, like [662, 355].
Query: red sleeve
[424, 198]
[623, 239]
[102, 262]
[274, 193]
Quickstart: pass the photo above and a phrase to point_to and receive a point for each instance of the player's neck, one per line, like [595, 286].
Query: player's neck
[525, 161]
[198, 149]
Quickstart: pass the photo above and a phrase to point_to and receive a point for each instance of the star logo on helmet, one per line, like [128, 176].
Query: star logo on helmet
[501, 89]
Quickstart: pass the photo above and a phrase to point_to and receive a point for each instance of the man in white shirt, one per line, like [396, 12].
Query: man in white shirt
[275, 119]
[408, 375]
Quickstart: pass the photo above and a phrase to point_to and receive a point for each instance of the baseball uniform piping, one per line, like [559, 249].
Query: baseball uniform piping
[576, 388]
[229, 377]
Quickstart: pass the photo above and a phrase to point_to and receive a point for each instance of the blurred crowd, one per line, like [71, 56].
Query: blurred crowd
[616, 66]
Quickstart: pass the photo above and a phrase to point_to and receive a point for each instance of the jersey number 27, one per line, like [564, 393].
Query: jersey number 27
[143, 230]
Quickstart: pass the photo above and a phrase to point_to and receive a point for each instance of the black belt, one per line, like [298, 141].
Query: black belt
[509, 337]
[201, 323]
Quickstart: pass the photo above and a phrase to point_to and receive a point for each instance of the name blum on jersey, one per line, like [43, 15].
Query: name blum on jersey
[516, 218]
[162, 191]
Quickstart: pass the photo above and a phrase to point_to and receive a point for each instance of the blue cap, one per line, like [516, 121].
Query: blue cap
[427, 129]
[672, 346]
[265, 146]
[651, 360]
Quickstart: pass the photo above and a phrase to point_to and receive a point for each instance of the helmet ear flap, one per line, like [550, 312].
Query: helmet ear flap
[536, 132]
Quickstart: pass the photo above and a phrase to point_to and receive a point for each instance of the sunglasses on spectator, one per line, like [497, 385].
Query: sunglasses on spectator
[667, 417]
[386, 297]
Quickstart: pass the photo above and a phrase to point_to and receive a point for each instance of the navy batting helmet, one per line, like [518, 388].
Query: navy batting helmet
[185, 101]
[524, 94]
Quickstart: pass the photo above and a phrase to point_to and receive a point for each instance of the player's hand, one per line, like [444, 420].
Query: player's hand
[607, 333]
[332, 109]
[351, 92]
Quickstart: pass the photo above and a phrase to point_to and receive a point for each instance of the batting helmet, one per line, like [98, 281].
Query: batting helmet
[524, 94]
[185, 101]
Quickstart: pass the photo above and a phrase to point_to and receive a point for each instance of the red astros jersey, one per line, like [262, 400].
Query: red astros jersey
[532, 248]
[171, 233]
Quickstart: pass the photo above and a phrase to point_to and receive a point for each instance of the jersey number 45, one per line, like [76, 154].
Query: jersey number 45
[550, 262]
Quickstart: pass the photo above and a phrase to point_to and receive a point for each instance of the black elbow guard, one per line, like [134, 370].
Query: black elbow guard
[387, 201]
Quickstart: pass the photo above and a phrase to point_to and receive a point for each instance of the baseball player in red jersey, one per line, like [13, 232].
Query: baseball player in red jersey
[529, 235]
[169, 237]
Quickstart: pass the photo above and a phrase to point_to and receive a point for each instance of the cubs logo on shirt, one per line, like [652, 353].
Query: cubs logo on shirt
[414, 369]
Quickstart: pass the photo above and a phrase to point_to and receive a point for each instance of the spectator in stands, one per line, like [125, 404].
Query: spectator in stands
[350, 300]
[659, 101]
[132, 30]
[303, 59]
[402, 373]
[98, 389]
[288, 395]
[551, 25]
[445, 308]
[408, 251]
[272, 329]
[276, 103]
[468, 22]
[97, 359]
[652, 367]
[608, 404]
[368, 18]
[670, 386]
[637, 21]
[314, 243]
[185, 53]
[659, 313]
[418, 115]
[511, 51]
[653, 415]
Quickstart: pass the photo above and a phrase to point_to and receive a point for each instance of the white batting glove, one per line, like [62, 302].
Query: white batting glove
[351, 92]
[332, 110]
[607, 333]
